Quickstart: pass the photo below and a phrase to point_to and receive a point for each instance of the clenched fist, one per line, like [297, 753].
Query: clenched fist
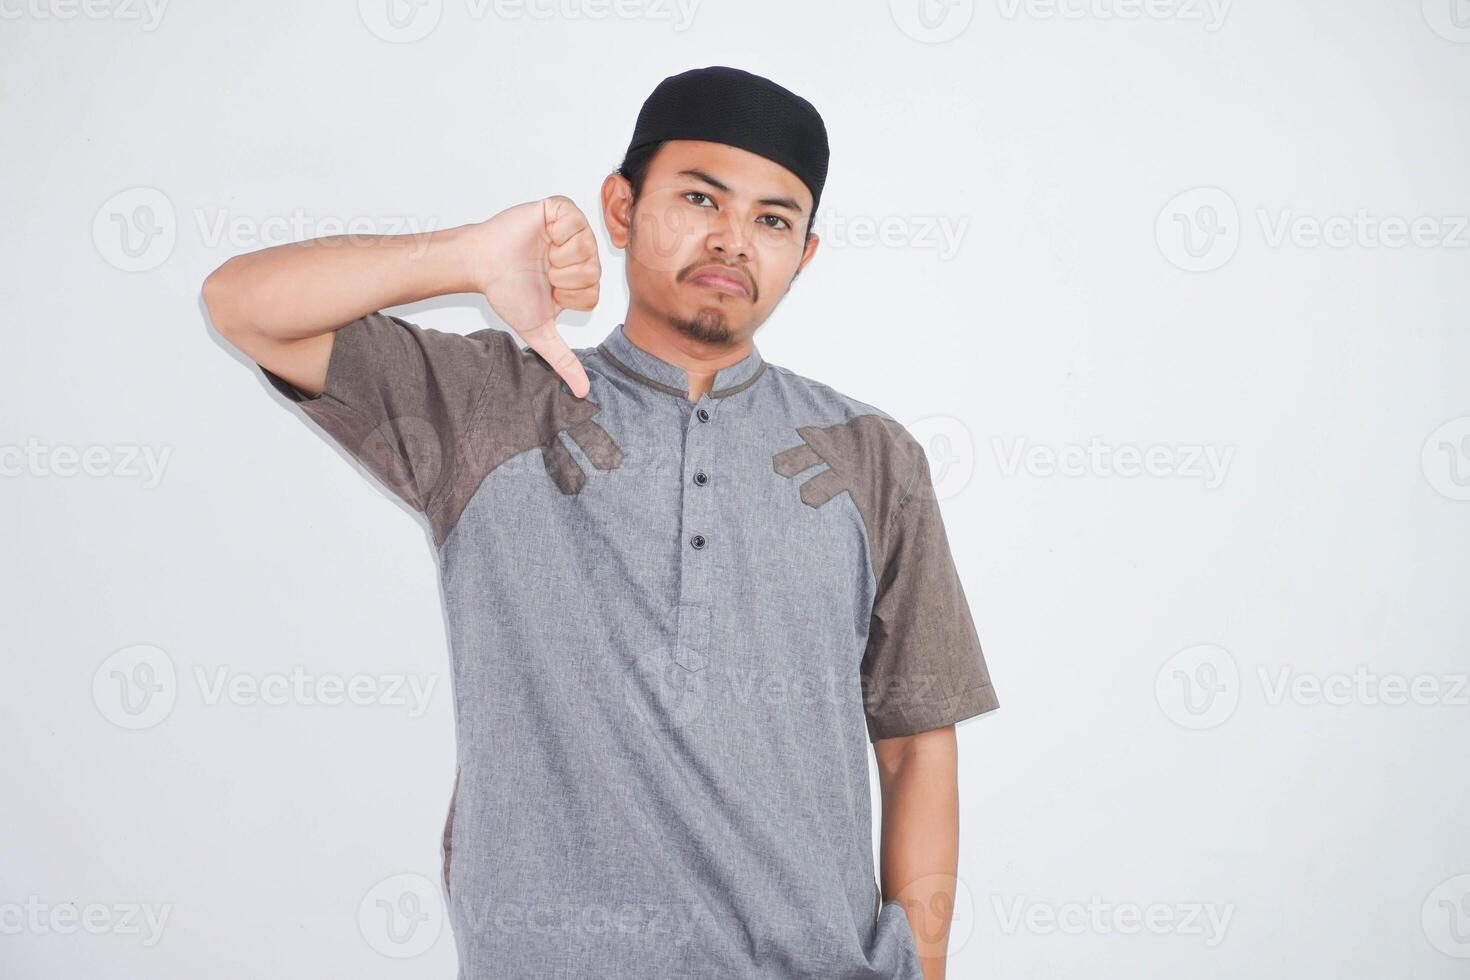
[537, 259]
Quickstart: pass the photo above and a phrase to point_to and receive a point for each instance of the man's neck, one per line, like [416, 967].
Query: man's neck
[699, 359]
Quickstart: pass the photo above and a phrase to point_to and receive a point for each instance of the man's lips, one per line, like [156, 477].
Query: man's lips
[725, 282]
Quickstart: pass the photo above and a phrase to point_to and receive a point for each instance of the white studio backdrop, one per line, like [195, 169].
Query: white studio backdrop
[1175, 292]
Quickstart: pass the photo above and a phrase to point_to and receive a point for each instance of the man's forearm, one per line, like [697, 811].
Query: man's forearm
[304, 289]
[920, 836]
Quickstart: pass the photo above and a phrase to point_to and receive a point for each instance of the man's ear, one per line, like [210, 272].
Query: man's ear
[812, 241]
[617, 208]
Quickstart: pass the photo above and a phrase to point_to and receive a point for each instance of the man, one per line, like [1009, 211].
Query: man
[685, 587]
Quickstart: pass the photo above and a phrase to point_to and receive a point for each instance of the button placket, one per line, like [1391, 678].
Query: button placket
[701, 537]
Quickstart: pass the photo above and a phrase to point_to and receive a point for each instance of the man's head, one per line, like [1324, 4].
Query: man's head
[720, 182]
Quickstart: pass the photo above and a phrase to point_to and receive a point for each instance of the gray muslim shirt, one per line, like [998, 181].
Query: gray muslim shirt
[675, 627]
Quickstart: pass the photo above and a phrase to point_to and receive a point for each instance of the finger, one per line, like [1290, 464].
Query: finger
[564, 220]
[582, 274]
[545, 341]
[576, 276]
[580, 247]
[576, 299]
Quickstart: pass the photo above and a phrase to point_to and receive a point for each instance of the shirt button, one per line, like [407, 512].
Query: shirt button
[697, 541]
[703, 414]
[701, 478]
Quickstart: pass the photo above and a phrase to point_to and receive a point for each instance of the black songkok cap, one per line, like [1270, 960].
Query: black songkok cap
[727, 105]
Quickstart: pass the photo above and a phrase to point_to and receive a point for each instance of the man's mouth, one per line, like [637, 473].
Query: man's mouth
[723, 282]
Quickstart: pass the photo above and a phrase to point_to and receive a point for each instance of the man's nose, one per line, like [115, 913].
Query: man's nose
[728, 236]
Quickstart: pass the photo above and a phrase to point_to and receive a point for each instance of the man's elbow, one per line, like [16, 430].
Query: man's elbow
[218, 293]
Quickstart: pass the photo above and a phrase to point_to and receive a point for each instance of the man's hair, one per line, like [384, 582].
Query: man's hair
[635, 169]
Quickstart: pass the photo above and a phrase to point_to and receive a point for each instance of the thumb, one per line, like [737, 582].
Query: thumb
[546, 341]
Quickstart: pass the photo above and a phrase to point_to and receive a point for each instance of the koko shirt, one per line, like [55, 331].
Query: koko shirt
[675, 626]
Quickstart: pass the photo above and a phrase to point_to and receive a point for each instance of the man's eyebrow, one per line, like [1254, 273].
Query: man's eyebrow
[775, 202]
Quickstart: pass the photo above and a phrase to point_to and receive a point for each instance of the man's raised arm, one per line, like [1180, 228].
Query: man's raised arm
[281, 306]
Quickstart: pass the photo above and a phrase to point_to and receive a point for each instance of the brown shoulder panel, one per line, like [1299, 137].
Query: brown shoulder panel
[872, 457]
[526, 406]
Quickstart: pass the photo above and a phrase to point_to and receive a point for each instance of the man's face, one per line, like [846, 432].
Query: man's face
[715, 239]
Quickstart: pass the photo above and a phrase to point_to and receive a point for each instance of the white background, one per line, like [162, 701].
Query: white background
[1130, 192]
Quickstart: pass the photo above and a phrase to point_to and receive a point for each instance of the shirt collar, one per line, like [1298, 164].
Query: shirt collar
[655, 372]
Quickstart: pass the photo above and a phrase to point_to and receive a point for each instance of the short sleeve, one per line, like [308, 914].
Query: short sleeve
[400, 399]
[923, 667]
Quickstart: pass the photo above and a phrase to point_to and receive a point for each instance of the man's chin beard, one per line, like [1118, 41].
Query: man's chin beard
[708, 326]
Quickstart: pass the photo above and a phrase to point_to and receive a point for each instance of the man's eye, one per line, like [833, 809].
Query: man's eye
[783, 225]
[695, 194]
